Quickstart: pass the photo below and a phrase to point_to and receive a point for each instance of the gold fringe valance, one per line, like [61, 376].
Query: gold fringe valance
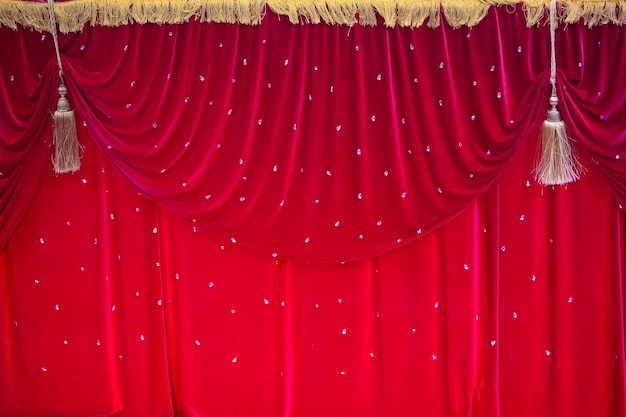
[73, 15]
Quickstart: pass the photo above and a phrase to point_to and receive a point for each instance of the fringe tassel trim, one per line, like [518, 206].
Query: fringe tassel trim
[73, 15]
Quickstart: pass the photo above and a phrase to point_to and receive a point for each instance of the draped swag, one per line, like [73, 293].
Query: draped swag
[308, 220]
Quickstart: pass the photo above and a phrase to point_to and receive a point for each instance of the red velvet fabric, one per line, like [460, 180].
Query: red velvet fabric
[246, 238]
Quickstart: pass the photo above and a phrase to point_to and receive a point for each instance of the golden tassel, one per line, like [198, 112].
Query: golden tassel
[558, 163]
[67, 148]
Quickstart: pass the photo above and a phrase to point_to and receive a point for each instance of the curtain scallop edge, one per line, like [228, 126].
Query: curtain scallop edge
[73, 15]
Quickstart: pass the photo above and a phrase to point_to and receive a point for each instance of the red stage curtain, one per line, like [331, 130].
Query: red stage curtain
[319, 221]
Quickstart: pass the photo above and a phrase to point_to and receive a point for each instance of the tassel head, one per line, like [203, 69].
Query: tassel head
[63, 104]
[67, 149]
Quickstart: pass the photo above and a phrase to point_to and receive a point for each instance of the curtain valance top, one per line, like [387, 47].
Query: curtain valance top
[73, 15]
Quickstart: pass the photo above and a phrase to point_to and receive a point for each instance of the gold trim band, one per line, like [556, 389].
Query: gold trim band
[73, 15]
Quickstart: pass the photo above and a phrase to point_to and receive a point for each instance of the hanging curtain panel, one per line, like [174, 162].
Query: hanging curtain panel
[312, 220]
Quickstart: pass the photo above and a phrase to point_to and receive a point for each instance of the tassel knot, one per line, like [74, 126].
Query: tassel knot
[63, 104]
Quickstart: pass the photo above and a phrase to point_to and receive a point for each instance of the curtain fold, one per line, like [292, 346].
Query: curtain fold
[592, 103]
[27, 89]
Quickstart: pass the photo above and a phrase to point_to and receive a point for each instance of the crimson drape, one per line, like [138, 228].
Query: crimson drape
[330, 221]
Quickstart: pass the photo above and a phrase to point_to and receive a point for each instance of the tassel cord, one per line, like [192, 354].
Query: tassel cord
[67, 149]
[55, 37]
[552, 46]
